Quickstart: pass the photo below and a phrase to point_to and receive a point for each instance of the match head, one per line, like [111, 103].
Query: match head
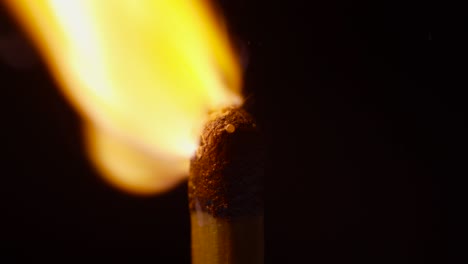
[226, 174]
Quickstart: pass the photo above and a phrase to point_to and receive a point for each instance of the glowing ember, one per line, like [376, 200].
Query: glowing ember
[144, 75]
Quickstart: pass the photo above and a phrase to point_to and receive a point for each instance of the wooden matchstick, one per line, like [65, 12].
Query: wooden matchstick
[226, 191]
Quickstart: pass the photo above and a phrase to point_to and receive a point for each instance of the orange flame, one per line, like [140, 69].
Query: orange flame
[144, 75]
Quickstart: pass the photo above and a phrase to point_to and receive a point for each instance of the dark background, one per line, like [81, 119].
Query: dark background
[362, 111]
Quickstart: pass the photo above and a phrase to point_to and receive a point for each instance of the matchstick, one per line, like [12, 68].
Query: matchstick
[226, 191]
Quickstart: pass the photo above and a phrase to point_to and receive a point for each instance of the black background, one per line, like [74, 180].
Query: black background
[362, 109]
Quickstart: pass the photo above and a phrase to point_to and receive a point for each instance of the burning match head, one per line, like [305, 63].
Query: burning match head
[226, 174]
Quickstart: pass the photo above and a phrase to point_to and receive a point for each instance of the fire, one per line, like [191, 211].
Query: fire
[143, 74]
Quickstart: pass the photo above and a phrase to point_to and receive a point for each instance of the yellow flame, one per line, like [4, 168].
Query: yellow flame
[144, 74]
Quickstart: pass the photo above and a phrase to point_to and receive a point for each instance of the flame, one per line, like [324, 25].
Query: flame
[143, 74]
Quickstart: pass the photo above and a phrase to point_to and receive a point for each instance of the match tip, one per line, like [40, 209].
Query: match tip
[226, 174]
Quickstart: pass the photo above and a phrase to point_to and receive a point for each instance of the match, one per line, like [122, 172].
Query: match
[225, 190]
[144, 103]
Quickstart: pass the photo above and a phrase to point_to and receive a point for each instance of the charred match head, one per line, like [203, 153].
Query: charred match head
[226, 174]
